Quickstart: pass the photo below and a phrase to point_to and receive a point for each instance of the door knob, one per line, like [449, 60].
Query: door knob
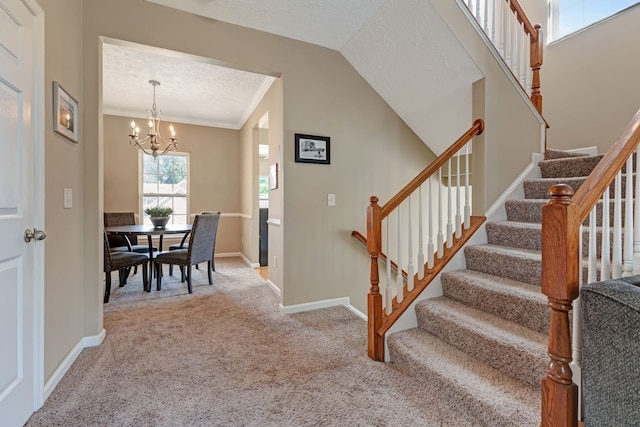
[35, 235]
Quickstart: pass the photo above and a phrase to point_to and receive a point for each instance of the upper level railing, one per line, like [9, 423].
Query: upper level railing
[519, 42]
[615, 229]
[444, 222]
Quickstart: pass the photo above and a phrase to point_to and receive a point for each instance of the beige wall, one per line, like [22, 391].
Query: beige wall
[64, 253]
[590, 80]
[214, 179]
[323, 95]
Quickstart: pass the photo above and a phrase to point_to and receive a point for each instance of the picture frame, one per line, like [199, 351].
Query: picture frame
[273, 176]
[313, 149]
[65, 113]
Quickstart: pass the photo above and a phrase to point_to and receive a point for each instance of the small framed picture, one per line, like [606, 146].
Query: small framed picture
[313, 149]
[65, 113]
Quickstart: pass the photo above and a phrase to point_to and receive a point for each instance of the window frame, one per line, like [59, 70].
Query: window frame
[554, 20]
[142, 194]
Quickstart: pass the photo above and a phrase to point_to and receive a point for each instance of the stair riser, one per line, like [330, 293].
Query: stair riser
[513, 307]
[540, 189]
[531, 211]
[517, 364]
[526, 238]
[504, 265]
[569, 167]
[484, 415]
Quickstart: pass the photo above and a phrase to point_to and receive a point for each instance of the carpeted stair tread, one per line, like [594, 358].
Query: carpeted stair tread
[490, 397]
[569, 166]
[516, 351]
[522, 265]
[539, 188]
[515, 301]
[530, 210]
[551, 153]
[523, 235]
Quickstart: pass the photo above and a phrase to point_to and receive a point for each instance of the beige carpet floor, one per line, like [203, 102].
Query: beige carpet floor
[226, 356]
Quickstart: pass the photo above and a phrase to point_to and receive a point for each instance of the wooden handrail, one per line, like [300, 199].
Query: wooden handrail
[395, 201]
[522, 17]
[561, 220]
[605, 171]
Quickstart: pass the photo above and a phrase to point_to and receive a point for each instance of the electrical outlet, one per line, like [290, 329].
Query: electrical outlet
[275, 262]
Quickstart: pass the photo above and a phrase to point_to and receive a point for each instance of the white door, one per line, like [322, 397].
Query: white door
[18, 114]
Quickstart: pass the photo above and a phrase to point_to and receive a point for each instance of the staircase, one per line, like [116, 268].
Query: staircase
[483, 345]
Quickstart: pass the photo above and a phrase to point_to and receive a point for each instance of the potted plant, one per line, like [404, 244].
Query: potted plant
[159, 216]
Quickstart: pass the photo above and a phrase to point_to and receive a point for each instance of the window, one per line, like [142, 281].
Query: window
[165, 183]
[569, 16]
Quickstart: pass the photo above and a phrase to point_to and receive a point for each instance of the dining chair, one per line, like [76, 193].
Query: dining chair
[182, 243]
[122, 261]
[124, 242]
[200, 249]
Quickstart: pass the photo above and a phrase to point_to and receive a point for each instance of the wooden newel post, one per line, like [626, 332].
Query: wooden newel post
[560, 270]
[374, 299]
[537, 45]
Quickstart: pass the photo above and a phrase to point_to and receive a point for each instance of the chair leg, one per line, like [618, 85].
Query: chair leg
[189, 279]
[146, 284]
[158, 276]
[182, 274]
[107, 286]
[135, 269]
[170, 269]
[122, 276]
[197, 266]
[209, 272]
[213, 264]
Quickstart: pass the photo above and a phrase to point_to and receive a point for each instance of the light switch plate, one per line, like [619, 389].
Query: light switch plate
[68, 198]
[331, 199]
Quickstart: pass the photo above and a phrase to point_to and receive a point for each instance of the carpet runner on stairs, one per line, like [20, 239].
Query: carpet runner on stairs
[483, 345]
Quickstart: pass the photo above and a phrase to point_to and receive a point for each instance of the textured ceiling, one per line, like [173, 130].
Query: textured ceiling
[328, 23]
[192, 89]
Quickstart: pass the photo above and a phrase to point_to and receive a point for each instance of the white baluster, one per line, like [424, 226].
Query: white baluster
[399, 279]
[467, 189]
[527, 68]
[507, 58]
[440, 219]
[627, 261]
[515, 66]
[493, 24]
[458, 199]
[616, 262]
[389, 288]
[420, 237]
[486, 17]
[449, 210]
[410, 268]
[605, 249]
[430, 248]
[523, 58]
[478, 13]
[593, 256]
[502, 31]
[636, 222]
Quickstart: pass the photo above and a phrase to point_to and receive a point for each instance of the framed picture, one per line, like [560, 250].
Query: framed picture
[273, 176]
[313, 149]
[65, 113]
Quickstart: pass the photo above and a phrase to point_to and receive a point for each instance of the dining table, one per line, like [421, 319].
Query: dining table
[149, 231]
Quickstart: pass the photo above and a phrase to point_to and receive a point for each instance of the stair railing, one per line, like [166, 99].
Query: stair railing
[516, 40]
[444, 222]
[562, 273]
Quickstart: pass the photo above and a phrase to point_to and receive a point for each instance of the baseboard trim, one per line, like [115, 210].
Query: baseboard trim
[274, 288]
[358, 313]
[297, 308]
[239, 255]
[65, 365]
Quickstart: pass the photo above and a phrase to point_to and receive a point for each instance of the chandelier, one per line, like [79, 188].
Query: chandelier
[153, 144]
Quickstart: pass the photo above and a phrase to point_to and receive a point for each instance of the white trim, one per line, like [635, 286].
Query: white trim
[66, 364]
[94, 340]
[240, 255]
[297, 308]
[274, 222]
[358, 313]
[274, 287]
[235, 215]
